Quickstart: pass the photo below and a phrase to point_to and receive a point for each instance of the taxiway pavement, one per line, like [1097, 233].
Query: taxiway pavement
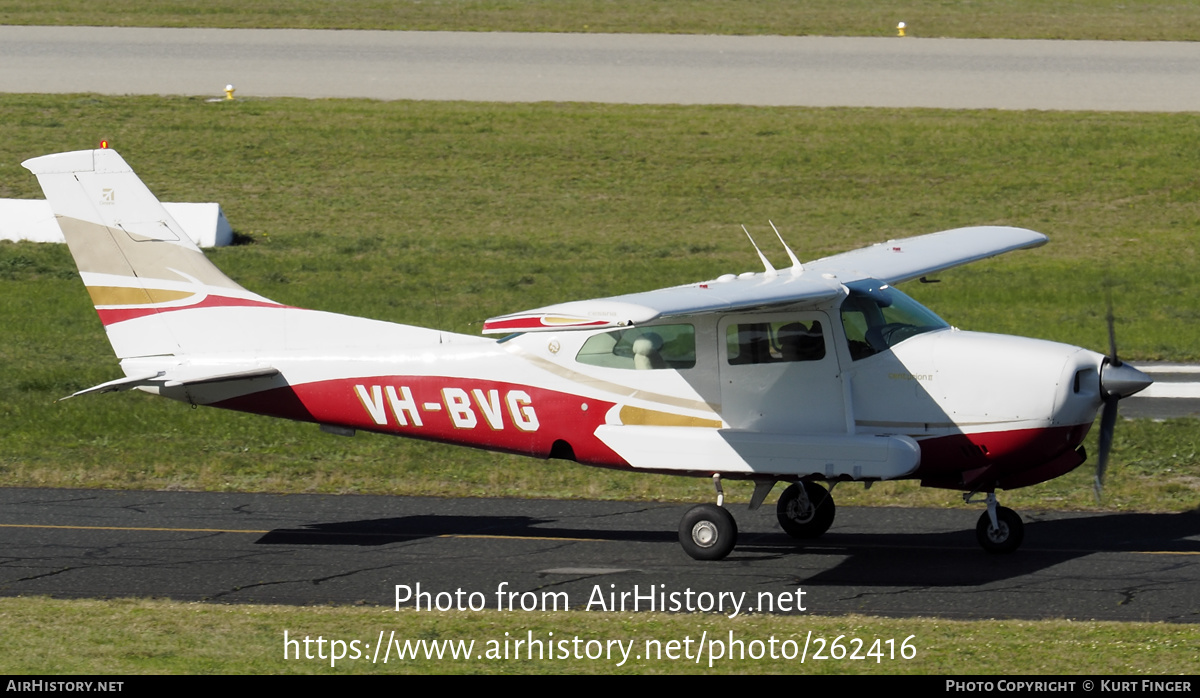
[624, 68]
[317, 549]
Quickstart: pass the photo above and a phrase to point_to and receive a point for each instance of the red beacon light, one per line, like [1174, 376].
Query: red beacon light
[104, 145]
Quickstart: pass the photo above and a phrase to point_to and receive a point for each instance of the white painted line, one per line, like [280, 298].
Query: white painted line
[1167, 368]
[1172, 390]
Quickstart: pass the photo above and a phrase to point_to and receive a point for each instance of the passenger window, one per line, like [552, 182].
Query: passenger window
[775, 342]
[642, 348]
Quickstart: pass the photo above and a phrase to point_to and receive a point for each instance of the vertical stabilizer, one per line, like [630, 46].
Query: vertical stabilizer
[139, 267]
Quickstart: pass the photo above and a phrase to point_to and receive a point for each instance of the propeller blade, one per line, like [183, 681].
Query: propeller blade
[1108, 423]
[1117, 381]
[1112, 335]
[1108, 419]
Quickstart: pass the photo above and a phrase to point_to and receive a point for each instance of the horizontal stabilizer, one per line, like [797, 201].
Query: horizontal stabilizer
[127, 383]
[173, 380]
[235, 376]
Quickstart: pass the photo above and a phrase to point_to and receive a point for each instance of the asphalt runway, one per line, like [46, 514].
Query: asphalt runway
[625, 68]
[316, 549]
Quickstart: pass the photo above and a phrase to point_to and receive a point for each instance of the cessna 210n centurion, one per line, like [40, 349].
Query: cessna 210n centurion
[820, 372]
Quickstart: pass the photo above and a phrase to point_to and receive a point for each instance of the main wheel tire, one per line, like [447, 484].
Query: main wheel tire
[708, 532]
[1006, 538]
[811, 521]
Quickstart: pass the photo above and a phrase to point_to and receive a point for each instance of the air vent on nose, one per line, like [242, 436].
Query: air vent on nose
[1085, 378]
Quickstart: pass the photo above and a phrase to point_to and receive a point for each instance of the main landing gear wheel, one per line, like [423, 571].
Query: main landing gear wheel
[708, 532]
[1006, 537]
[807, 516]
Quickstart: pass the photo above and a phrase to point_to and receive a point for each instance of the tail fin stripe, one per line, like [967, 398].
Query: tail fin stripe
[112, 316]
[124, 295]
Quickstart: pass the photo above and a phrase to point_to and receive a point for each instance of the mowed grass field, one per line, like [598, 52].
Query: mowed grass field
[1143, 20]
[160, 637]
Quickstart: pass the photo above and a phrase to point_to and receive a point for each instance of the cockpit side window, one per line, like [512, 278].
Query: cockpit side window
[642, 348]
[877, 317]
[774, 342]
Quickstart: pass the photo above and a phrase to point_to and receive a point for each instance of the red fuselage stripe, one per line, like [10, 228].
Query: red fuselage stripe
[493, 415]
[111, 316]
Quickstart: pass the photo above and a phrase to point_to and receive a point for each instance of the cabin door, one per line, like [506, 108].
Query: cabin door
[779, 373]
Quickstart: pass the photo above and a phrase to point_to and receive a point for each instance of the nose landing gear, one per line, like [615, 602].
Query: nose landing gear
[1000, 529]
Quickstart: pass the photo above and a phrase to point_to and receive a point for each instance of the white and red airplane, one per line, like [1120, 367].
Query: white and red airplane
[820, 372]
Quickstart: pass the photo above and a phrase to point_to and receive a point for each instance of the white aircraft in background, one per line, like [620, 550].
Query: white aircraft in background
[820, 372]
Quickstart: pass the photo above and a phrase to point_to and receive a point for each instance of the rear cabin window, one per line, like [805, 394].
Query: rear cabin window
[642, 348]
[775, 342]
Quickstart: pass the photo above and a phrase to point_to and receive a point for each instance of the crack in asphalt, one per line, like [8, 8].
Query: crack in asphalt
[577, 578]
[625, 512]
[314, 582]
[119, 554]
[862, 595]
[136, 507]
[351, 573]
[554, 546]
[55, 501]
[41, 576]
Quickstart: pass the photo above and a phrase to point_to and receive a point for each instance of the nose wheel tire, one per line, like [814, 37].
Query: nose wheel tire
[1003, 539]
[805, 517]
[708, 532]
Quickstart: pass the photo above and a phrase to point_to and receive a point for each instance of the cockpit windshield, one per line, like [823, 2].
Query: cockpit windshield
[877, 317]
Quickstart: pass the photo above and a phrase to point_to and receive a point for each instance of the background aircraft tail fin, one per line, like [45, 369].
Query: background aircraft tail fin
[139, 267]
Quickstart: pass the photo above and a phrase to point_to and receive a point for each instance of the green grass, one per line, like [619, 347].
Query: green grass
[1152, 20]
[159, 637]
[443, 214]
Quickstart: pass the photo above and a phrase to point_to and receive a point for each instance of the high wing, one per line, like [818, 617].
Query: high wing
[723, 294]
[896, 261]
[809, 285]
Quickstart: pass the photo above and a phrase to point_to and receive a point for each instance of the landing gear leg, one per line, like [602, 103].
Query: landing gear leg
[1000, 529]
[708, 531]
